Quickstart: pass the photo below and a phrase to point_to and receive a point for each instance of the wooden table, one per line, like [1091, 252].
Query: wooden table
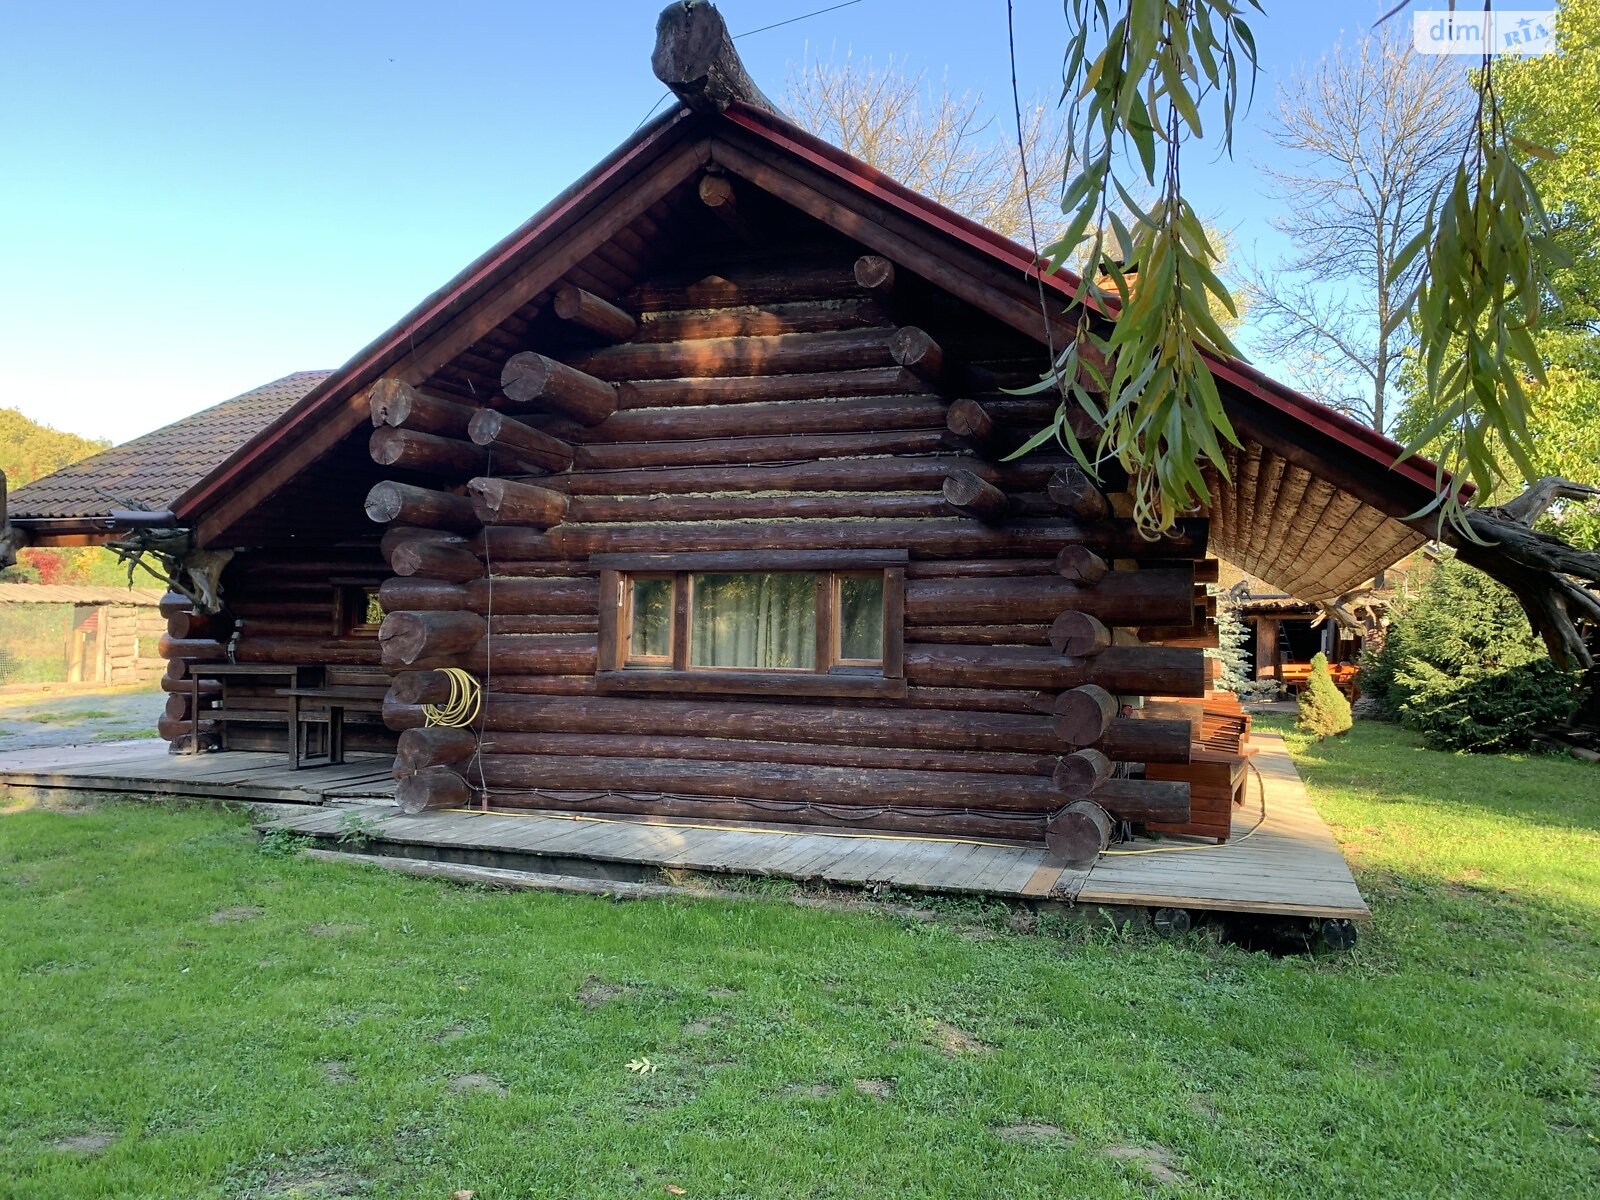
[335, 700]
[222, 672]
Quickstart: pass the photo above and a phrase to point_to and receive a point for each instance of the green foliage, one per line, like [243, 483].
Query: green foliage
[1140, 87]
[1462, 666]
[1324, 711]
[29, 450]
[1554, 100]
[1232, 651]
[1486, 712]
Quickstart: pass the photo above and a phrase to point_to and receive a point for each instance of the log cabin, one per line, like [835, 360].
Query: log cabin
[693, 497]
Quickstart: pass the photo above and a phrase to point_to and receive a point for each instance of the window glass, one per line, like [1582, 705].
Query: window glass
[762, 621]
[652, 618]
[861, 617]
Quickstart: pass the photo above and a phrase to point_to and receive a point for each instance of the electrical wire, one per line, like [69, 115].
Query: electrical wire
[1261, 788]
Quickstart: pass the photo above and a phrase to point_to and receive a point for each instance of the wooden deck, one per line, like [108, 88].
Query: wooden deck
[145, 768]
[1290, 866]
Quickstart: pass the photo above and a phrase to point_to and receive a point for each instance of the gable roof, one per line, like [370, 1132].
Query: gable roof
[1314, 503]
[152, 471]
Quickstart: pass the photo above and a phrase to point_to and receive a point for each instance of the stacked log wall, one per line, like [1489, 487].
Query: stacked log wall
[784, 411]
[280, 607]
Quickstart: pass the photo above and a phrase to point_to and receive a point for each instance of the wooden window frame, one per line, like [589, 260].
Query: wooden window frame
[350, 602]
[618, 672]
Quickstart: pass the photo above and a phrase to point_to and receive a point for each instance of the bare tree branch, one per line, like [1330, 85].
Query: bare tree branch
[1371, 129]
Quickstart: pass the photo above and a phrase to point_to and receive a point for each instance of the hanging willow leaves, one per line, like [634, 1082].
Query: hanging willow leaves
[1136, 83]
[1478, 303]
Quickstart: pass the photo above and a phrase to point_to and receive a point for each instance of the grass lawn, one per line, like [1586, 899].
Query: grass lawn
[182, 1015]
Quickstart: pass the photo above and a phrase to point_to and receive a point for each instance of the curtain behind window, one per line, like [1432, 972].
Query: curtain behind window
[755, 621]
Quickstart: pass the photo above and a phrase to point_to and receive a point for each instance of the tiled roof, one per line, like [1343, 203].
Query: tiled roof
[152, 471]
[60, 593]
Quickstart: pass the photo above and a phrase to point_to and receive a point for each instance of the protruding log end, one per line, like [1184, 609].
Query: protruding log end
[432, 787]
[530, 376]
[519, 441]
[1078, 634]
[969, 419]
[1081, 772]
[1083, 714]
[917, 352]
[588, 311]
[409, 637]
[696, 59]
[396, 404]
[173, 603]
[191, 649]
[425, 453]
[1081, 564]
[435, 560]
[1073, 490]
[875, 275]
[1078, 834]
[434, 746]
[404, 504]
[974, 496]
[420, 687]
[506, 502]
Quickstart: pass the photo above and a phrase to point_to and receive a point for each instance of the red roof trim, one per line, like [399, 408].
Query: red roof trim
[375, 356]
[1382, 451]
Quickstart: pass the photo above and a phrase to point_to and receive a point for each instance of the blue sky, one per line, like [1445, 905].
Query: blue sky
[199, 198]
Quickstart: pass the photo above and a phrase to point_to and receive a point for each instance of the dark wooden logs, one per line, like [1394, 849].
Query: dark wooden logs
[497, 501]
[974, 496]
[1121, 598]
[184, 687]
[842, 475]
[954, 538]
[191, 649]
[1083, 714]
[509, 597]
[781, 783]
[760, 363]
[518, 441]
[405, 504]
[1073, 490]
[1080, 564]
[694, 56]
[590, 312]
[431, 787]
[530, 377]
[434, 746]
[916, 351]
[1078, 634]
[953, 729]
[1144, 799]
[397, 535]
[424, 452]
[1081, 772]
[717, 194]
[434, 560]
[1078, 833]
[669, 746]
[875, 274]
[433, 687]
[1130, 670]
[970, 420]
[409, 637]
[393, 402]
[192, 624]
[171, 730]
[1147, 740]
[173, 603]
[398, 716]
